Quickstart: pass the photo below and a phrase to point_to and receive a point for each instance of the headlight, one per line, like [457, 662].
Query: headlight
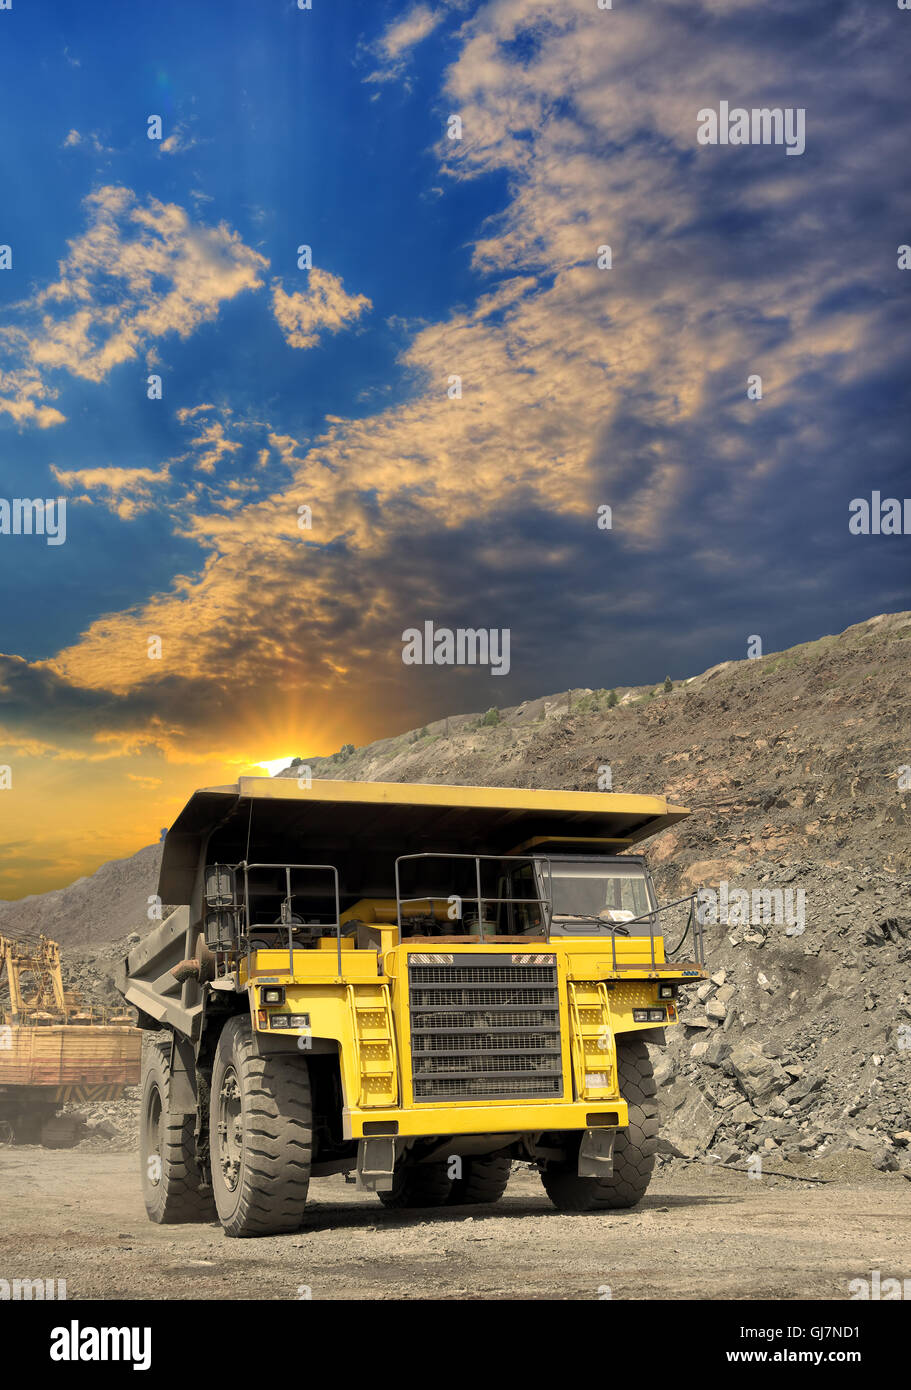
[279, 1020]
[649, 1016]
[667, 991]
[273, 995]
[298, 1020]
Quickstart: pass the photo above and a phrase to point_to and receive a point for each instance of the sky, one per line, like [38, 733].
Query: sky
[343, 351]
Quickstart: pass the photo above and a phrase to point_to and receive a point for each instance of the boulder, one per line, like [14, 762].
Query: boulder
[759, 1077]
[692, 1126]
[717, 1051]
[725, 1153]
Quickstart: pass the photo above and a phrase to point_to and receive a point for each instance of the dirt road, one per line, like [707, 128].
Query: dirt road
[700, 1233]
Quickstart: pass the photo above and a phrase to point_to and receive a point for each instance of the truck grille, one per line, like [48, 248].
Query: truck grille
[485, 1031]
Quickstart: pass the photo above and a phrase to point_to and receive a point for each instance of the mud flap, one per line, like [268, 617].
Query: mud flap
[376, 1164]
[183, 1092]
[596, 1153]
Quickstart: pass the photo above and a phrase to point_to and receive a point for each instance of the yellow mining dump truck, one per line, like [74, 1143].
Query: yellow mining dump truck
[415, 985]
[54, 1049]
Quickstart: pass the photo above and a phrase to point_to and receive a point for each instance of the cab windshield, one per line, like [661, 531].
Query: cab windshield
[596, 897]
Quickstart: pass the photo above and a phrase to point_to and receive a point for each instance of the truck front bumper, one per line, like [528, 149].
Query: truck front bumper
[516, 1118]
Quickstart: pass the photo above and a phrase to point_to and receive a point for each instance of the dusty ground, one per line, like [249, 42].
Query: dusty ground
[700, 1233]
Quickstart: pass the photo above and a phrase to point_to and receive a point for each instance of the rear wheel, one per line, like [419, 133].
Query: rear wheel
[634, 1147]
[418, 1185]
[483, 1181]
[261, 1135]
[171, 1180]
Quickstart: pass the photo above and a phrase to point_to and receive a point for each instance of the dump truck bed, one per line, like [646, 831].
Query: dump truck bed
[331, 818]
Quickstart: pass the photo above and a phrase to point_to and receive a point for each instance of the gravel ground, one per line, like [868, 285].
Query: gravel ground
[701, 1233]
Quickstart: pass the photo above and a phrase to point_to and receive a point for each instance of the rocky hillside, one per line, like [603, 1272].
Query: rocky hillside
[796, 767]
[98, 909]
[799, 1047]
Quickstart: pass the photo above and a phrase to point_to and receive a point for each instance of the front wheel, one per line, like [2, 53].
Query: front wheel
[634, 1147]
[260, 1135]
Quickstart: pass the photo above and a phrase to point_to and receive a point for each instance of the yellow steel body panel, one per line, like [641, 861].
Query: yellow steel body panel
[368, 1015]
[631, 950]
[506, 1117]
[309, 965]
[467, 798]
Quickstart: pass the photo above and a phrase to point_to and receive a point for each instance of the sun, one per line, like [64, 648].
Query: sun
[273, 765]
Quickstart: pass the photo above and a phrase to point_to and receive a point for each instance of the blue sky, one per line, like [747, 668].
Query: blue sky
[288, 144]
[328, 387]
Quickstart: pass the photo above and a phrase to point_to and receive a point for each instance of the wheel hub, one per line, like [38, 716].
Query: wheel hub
[230, 1129]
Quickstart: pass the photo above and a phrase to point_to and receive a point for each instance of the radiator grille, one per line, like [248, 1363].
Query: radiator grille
[485, 1031]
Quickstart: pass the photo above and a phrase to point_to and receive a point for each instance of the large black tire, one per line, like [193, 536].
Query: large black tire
[172, 1184]
[418, 1185]
[483, 1181]
[634, 1148]
[261, 1135]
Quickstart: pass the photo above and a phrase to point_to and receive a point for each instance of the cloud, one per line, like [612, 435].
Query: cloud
[403, 34]
[178, 142]
[187, 412]
[324, 305]
[580, 387]
[213, 445]
[139, 272]
[20, 389]
[90, 141]
[400, 38]
[125, 491]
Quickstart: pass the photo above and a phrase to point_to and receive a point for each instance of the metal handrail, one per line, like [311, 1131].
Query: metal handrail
[692, 921]
[288, 868]
[351, 1000]
[545, 904]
